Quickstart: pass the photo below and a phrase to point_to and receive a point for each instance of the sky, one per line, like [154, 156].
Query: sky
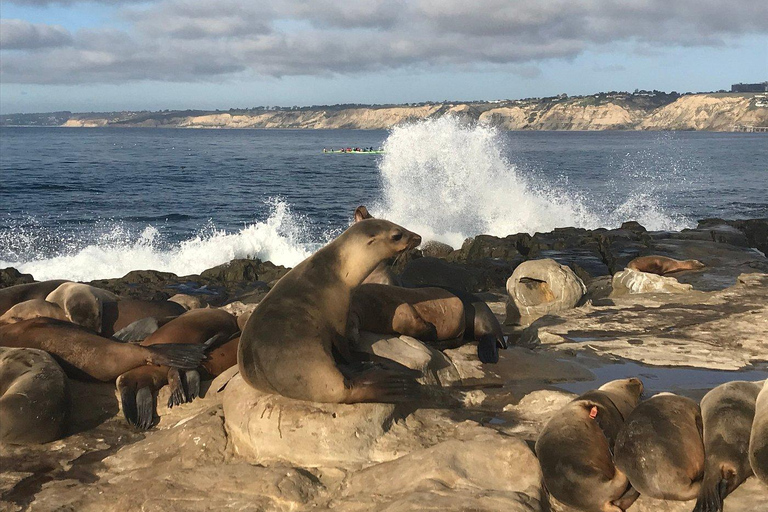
[111, 55]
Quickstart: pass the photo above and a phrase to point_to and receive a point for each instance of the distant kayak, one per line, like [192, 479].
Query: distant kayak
[355, 151]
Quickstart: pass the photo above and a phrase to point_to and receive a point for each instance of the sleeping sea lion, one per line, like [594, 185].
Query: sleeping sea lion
[83, 353]
[575, 447]
[728, 412]
[34, 395]
[662, 265]
[33, 308]
[660, 448]
[82, 303]
[196, 327]
[288, 344]
[12, 295]
[120, 314]
[758, 440]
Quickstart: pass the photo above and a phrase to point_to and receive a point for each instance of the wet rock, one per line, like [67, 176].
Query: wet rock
[234, 271]
[268, 429]
[11, 277]
[539, 287]
[487, 246]
[435, 249]
[34, 397]
[630, 281]
[633, 226]
[436, 272]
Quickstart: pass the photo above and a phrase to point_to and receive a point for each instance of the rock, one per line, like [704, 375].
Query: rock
[633, 226]
[487, 246]
[234, 271]
[268, 429]
[436, 272]
[11, 277]
[478, 474]
[539, 287]
[435, 249]
[189, 301]
[241, 311]
[34, 397]
[630, 281]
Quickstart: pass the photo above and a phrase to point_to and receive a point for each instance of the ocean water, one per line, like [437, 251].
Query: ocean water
[95, 203]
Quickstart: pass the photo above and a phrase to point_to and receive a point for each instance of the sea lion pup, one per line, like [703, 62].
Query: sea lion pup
[287, 345]
[574, 448]
[662, 265]
[83, 353]
[82, 303]
[34, 308]
[660, 448]
[196, 327]
[382, 274]
[12, 295]
[34, 397]
[758, 441]
[727, 412]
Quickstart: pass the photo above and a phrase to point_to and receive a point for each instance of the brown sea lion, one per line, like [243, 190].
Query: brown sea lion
[120, 314]
[197, 327]
[727, 412]
[82, 303]
[12, 295]
[758, 441]
[34, 308]
[287, 345]
[83, 353]
[575, 446]
[34, 395]
[660, 448]
[382, 274]
[662, 265]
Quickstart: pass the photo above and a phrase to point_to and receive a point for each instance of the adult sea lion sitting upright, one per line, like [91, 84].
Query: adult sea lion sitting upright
[288, 344]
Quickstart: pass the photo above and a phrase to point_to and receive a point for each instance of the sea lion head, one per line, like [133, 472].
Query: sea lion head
[361, 213]
[624, 393]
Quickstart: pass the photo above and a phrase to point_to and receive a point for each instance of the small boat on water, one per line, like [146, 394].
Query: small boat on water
[356, 151]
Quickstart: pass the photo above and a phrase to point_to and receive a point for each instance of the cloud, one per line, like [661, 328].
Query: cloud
[198, 40]
[22, 35]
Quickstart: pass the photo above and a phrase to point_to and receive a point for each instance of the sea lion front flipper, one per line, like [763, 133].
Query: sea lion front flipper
[488, 349]
[191, 381]
[178, 393]
[177, 355]
[145, 401]
[627, 499]
[711, 497]
[379, 385]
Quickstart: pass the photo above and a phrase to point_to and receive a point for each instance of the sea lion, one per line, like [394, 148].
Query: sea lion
[727, 412]
[34, 396]
[660, 448]
[83, 353]
[427, 314]
[662, 265]
[33, 308]
[287, 345]
[382, 274]
[189, 301]
[82, 303]
[758, 441]
[197, 327]
[120, 314]
[575, 446]
[12, 295]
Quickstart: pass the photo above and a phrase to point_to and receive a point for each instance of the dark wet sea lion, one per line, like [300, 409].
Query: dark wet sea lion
[662, 265]
[758, 440]
[728, 412]
[34, 395]
[660, 448]
[196, 327]
[83, 353]
[12, 295]
[382, 274]
[575, 447]
[288, 344]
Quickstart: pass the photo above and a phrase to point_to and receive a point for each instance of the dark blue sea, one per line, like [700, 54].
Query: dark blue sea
[99, 202]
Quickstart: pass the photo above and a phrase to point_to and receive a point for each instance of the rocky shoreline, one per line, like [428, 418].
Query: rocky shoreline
[469, 446]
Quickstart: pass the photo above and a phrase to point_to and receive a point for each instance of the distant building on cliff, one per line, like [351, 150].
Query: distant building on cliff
[761, 87]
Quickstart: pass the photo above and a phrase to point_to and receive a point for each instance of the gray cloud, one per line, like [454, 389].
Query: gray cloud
[22, 35]
[197, 40]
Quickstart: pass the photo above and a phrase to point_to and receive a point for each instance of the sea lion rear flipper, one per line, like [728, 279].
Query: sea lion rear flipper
[177, 355]
[627, 499]
[711, 497]
[178, 393]
[191, 381]
[488, 349]
[379, 385]
[145, 401]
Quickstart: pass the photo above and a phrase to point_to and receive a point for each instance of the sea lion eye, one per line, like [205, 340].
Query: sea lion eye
[397, 236]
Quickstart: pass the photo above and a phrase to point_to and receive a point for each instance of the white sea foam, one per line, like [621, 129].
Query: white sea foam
[448, 180]
[282, 239]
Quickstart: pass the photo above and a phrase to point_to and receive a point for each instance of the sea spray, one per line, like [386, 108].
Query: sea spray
[448, 180]
[282, 239]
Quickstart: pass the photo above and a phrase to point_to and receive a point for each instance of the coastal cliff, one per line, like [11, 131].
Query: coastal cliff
[604, 111]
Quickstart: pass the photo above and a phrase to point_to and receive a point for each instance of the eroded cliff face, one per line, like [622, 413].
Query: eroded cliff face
[714, 112]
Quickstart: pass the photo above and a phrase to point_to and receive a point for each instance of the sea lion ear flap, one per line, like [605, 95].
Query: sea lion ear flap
[361, 213]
